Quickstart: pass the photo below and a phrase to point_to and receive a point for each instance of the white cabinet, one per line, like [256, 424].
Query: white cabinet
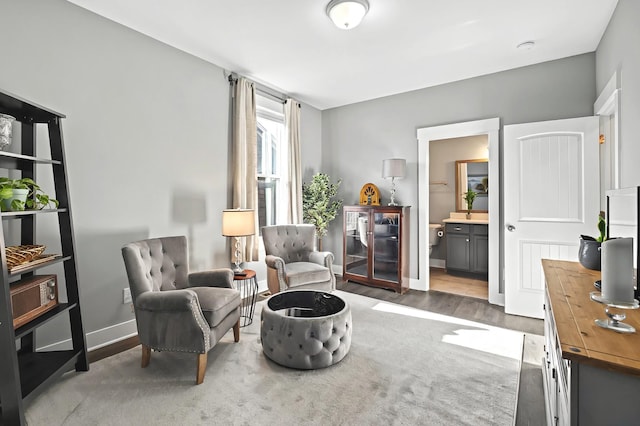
[591, 375]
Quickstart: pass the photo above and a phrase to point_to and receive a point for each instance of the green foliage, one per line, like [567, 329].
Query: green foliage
[469, 197]
[318, 208]
[602, 227]
[36, 198]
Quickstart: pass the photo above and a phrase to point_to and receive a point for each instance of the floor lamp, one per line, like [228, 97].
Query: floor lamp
[238, 223]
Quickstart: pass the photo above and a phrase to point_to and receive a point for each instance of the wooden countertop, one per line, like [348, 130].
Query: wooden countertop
[568, 288]
[465, 221]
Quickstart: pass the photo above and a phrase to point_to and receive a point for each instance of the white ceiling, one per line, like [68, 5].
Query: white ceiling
[401, 45]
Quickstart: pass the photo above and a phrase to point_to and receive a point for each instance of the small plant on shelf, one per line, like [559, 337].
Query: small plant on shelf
[23, 194]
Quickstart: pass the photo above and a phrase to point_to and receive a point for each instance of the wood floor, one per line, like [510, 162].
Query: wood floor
[530, 409]
[440, 280]
[449, 304]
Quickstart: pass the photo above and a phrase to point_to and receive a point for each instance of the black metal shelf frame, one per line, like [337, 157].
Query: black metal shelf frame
[38, 369]
[25, 372]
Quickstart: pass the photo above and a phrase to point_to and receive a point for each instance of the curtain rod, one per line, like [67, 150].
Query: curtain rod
[263, 90]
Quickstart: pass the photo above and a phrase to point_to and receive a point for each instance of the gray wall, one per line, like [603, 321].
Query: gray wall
[146, 136]
[619, 51]
[356, 138]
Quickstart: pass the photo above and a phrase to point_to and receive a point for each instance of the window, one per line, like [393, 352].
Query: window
[272, 163]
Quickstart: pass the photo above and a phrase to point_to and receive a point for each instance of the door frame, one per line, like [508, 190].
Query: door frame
[608, 106]
[491, 128]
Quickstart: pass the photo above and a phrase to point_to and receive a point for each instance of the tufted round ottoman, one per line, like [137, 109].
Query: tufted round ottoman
[305, 329]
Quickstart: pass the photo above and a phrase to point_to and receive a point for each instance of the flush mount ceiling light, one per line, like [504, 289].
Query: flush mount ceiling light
[347, 14]
[526, 45]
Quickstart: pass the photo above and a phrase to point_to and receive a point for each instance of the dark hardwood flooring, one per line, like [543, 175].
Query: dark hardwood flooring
[468, 308]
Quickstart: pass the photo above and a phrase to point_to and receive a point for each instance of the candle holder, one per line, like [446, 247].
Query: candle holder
[615, 318]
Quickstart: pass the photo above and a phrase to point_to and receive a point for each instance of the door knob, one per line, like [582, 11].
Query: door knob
[511, 228]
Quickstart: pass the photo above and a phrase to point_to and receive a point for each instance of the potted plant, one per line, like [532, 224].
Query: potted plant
[318, 206]
[589, 252]
[23, 194]
[469, 198]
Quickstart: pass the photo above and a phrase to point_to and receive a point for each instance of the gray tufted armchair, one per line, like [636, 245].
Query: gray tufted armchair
[177, 310]
[293, 262]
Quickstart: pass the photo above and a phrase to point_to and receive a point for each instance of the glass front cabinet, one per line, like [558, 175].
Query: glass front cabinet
[376, 246]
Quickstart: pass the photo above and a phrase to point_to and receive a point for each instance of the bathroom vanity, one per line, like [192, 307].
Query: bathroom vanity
[376, 246]
[467, 246]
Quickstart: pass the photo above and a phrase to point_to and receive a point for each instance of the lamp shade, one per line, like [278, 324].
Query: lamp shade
[347, 14]
[394, 168]
[238, 222]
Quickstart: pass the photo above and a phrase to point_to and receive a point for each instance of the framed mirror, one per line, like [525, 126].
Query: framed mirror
[473, 175]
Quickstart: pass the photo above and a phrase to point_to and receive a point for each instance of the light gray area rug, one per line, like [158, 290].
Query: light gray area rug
[405, 367]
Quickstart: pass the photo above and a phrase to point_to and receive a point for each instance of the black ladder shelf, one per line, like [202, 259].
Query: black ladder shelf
[25, 372]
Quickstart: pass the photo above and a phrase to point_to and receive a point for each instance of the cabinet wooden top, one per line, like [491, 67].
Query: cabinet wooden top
[568, 288]
[367, 207]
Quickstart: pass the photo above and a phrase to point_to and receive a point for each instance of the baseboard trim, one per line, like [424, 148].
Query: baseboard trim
[99, 338]
[113, 348]
[337, 269]
[437, 263]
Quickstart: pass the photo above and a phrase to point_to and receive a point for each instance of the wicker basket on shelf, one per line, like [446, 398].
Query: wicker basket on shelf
[17, 255]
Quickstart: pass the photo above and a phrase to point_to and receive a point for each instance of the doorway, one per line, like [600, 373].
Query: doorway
[456, 166]
[490, 128]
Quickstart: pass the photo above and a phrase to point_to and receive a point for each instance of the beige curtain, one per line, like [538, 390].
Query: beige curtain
[245, 179]
[292, 125]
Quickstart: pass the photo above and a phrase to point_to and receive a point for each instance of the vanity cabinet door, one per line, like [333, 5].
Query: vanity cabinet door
[480, 249]
[467, 248]
[458, 251]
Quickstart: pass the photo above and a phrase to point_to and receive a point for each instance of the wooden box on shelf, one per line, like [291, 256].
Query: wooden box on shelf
[32, 297]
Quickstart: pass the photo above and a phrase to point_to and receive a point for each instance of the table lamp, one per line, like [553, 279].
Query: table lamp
[238, 223]
[394, 168]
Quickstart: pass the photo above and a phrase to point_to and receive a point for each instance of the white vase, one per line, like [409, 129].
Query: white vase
[18, 194]
[6, 125]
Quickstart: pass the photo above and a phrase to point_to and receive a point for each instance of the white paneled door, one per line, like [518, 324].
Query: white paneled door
[551, 197]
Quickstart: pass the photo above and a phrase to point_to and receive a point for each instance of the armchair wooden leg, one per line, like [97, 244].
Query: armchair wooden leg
[236, 332]
[146, 355]
[202, 366]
